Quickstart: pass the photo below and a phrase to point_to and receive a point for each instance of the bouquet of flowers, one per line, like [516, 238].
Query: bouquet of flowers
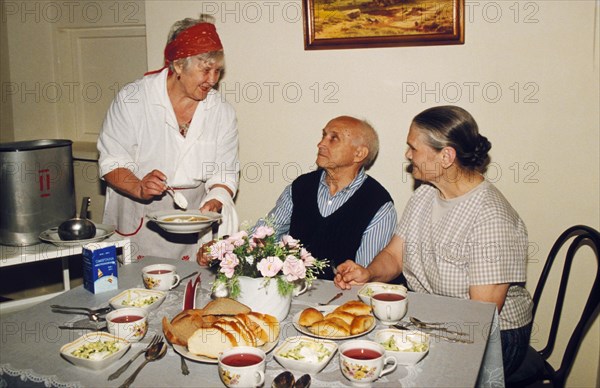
[260, 255]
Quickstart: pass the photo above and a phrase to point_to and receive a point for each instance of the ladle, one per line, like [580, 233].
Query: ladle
[79, 228]
[178, 198]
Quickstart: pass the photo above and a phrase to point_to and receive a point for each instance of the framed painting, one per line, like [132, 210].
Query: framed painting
[344, 24]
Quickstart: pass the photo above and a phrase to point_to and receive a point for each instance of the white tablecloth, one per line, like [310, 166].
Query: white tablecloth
[30, 342]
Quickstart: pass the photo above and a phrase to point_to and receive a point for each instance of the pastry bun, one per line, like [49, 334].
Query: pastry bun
[351, 318]
[361, 323]
[355, 307]
[310, 316]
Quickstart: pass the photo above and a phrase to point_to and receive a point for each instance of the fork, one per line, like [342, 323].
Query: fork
[445, 338]
[123, 368]
[184, 368]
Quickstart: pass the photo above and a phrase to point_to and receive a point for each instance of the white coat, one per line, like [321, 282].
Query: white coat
[141, 133]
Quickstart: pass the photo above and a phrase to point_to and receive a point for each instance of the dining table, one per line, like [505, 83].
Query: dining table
[31, 340]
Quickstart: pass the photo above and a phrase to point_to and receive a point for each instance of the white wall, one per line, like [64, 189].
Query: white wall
[542, 56]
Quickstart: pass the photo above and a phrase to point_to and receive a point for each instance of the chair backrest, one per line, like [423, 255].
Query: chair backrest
[581, 236]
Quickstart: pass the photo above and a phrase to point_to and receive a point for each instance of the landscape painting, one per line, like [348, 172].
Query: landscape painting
[336, 24]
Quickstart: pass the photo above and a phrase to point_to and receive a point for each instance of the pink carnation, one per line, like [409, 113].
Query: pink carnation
[262, 232]
[289, 241]
[307, 257]
[293, 269]
[269, 266]
[237, 239]
[219, 249]
[228, 264]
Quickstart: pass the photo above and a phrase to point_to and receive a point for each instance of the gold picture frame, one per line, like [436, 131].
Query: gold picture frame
[348, 24]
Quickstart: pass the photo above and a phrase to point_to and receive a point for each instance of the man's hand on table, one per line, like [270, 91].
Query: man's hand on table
[350, 274]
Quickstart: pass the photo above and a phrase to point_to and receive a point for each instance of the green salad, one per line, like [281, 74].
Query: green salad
[140, 302]
[392, 345]
[97, 350]
[308, 351]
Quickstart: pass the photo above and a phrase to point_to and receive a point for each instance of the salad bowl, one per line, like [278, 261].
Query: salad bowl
[95, 351]
[138, 297]
[305, 354]
[407, 347]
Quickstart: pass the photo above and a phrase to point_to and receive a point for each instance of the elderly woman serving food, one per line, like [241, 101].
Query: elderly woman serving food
[458, 235]
[170, 127]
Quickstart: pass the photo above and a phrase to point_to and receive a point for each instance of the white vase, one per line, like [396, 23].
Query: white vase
[264, 297]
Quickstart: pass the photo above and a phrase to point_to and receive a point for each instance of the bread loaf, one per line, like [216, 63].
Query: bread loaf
[225, 306]
[239, 326]
[223, 323]
[268, 323]
[211, 342]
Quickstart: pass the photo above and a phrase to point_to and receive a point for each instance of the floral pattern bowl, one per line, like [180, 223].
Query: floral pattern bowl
[95, 350]
[138, 297]
[407, 347]
[128, 323]
[305, 354]
[370, 289]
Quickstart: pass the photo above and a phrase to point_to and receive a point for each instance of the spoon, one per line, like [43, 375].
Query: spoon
[303, 381]
[178, 198]
[155, 352]
[79, 228]
[102, 310]
[434, 326]
[284, 380]
[338, 295]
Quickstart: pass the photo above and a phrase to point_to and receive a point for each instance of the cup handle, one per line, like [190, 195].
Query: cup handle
[388, 311]
[260, 377]
[176, 282]
[301, 289]
[388, 360]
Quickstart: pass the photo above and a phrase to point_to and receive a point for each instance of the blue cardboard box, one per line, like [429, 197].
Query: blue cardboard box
[100, 267]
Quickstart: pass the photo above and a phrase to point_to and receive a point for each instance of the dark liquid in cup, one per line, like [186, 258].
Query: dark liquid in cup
[388, 297]
[241, 359]
[126, 318]
[362, 354]
[159, 271]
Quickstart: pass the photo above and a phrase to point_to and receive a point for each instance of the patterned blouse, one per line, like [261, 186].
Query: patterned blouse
[475, 239]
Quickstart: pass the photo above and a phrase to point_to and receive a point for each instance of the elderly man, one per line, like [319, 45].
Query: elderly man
[337, 211]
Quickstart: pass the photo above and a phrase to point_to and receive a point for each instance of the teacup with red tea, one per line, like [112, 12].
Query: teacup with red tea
[161, 277]
[242, 366]
[129, 323]
[363, 362]
[389, 306]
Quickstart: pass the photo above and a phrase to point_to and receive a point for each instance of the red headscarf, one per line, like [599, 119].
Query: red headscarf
[198, 39]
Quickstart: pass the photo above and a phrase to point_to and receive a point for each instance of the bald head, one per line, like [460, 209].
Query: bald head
[362, 135]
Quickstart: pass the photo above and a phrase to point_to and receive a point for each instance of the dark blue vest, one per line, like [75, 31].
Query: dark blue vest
[337, 237]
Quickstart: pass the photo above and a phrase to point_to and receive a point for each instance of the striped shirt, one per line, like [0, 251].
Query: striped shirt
[377, 235]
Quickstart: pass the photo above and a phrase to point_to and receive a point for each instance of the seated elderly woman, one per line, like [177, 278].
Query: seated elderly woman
[458, 235]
